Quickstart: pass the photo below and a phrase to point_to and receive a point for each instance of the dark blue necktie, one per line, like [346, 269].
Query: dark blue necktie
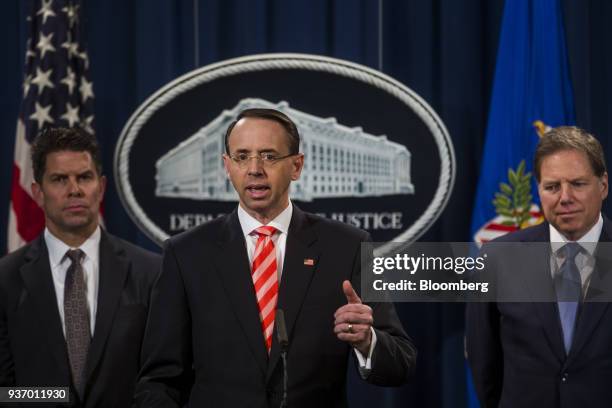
[569, 291]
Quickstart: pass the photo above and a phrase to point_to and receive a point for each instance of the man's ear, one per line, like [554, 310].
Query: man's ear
[226, 164]
[604, 186]
[103, 181]
[37, 193]
[298, 165]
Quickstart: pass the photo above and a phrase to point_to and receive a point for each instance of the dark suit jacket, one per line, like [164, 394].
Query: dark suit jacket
[32, 345]
[204, 315]
[516, 350]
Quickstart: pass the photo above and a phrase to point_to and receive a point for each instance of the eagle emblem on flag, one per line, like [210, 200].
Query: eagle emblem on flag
[514, 206]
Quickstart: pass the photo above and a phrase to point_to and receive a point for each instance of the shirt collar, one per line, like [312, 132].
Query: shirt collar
[58, 248]
[281, 222]
[588, 241]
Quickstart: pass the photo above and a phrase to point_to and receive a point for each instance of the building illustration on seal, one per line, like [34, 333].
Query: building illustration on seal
[339, 161]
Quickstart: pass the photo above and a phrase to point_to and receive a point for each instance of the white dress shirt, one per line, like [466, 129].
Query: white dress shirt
[59, 267]
[281, 223]
[585, 260]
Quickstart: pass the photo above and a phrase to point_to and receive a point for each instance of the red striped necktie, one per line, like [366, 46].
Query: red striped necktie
[265, 280]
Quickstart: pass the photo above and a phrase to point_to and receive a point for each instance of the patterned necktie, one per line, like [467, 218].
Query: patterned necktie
[76, 318]
[265, 280]
[569, 291]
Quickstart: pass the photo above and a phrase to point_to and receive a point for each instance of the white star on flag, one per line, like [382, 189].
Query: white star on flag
[86, 123]
[72, 14]
[41, 115]
[26, 84]
[72, 48]
[85, 58]
[46, 10]
[72, 114]
[42, 79]
[86, 89]
[44, 44]
[29, 52]
[69, 80]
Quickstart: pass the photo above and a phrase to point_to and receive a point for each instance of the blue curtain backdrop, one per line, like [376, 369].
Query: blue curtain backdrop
[443, 49]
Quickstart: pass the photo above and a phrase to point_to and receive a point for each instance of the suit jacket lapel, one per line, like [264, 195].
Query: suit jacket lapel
[593, 308]
[588, 320]
[38, 281]
[232, 265]
[114, 267]
[296, 276]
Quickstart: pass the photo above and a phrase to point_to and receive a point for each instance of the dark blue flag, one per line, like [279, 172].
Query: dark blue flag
[532, 88]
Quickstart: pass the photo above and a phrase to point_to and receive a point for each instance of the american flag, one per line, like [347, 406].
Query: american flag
[56, 92]
[499, 226]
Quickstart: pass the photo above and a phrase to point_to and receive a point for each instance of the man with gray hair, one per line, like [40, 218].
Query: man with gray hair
[553, 354]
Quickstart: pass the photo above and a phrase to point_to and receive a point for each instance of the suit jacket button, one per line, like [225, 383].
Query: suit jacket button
[564, 378]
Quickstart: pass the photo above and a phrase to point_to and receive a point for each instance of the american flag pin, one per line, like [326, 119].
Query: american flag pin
[309, 262]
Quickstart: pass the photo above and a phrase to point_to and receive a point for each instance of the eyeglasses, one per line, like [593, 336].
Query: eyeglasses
[266, 158]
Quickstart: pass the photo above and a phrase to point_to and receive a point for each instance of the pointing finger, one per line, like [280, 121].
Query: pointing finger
[349, 292]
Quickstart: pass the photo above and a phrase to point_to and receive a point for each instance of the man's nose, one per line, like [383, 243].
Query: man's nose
[73, 187]
[255, 165]
[567, 193]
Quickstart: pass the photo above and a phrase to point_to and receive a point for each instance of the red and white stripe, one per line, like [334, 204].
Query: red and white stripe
[500, 225]
[26, 219]
[265, 280]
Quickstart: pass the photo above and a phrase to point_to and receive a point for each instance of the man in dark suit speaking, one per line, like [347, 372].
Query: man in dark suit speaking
[74, 302]
[214, 307]
[554, 354]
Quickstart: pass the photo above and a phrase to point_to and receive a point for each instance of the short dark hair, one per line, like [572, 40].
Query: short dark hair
[270, 114]
[570, 138]
[55, 139]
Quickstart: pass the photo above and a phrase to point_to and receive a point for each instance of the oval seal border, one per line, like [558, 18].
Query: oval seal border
[260, 62]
